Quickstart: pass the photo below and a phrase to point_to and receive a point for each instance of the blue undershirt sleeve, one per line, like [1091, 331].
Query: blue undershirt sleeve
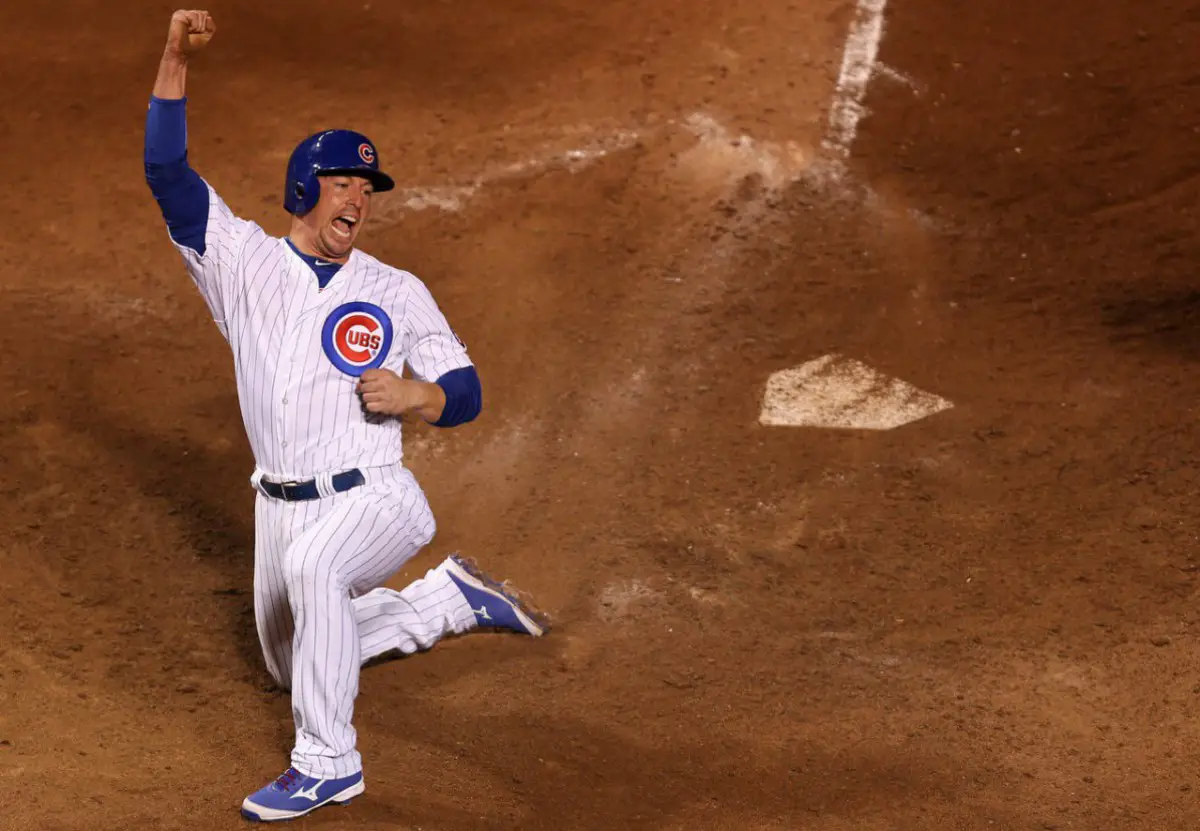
[181, 194]
[464, 396]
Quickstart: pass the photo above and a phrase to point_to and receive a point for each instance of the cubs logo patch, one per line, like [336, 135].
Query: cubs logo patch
[367, 153]
[356, 337]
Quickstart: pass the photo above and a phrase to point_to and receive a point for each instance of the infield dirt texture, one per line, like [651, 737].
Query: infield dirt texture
[985, 619]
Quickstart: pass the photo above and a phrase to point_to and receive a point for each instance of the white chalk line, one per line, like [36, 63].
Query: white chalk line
[858, 66]
[897, 76]
[778, 165]
[453, 197]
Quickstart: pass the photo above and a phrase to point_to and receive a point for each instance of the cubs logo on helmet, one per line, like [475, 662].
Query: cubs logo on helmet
[357, 337]
[367, 153]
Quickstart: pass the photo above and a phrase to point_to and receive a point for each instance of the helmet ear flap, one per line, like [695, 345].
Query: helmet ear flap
[302, 196]
[308, 191]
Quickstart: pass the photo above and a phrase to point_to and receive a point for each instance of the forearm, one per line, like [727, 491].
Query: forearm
[171, 82]
[435, 402]
[455, 398]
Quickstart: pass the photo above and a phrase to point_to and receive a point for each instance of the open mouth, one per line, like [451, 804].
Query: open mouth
[344, 225]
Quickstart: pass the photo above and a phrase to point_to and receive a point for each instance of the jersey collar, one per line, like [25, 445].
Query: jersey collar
[323, 269]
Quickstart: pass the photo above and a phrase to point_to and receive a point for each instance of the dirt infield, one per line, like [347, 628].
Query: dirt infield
[980, 620]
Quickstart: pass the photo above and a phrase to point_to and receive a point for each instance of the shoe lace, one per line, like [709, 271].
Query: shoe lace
[288, 779]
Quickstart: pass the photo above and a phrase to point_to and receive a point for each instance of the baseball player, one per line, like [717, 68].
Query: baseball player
[320, 334]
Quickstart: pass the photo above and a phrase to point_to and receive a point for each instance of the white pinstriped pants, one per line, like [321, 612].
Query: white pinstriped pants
[320, 615]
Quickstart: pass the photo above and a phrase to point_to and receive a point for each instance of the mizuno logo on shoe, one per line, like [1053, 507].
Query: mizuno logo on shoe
[482, 612]
[310, 792]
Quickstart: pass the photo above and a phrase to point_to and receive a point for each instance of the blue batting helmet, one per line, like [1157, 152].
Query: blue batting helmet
[329, 153]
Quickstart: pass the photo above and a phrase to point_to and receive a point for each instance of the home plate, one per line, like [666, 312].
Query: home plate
[839, 392]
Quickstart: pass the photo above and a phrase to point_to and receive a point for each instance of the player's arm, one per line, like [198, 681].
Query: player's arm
[445, 389]
[181, 194]
[454, 398]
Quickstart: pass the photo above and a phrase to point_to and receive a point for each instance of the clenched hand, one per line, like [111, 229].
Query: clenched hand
[190, 31]
[383, 391]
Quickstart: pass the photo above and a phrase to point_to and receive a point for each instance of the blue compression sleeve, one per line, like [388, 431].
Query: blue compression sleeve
[464, 396]
[181, 194]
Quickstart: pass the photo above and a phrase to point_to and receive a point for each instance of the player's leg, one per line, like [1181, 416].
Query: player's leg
[326, 767]
[362, 538]
[272, 612]
[412, 619]
[452, 598]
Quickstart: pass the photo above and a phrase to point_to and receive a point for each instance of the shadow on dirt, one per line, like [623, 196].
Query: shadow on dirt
[1168, 320]
[138, 477]
[564, 772]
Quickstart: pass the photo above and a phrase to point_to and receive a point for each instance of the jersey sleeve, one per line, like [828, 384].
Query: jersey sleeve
[217, 268]
[429, 346]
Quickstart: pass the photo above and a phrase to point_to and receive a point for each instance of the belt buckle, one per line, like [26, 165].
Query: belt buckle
[283, 488]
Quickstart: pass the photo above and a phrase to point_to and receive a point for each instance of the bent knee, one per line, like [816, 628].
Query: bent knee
[428, 532]
[315, 569]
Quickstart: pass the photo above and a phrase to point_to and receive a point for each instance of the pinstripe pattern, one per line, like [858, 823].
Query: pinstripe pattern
[321, 616]
[318, 565]
[301, 414]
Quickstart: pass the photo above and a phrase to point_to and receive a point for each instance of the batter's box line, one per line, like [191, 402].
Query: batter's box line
[885, 71]
[860, 63]
[453, 197]
[779, 164]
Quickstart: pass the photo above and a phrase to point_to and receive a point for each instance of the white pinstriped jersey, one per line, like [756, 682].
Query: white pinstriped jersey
[298, 349]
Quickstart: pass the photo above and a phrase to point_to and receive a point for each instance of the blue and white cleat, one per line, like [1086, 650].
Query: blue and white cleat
[294, 795]
[493, 605]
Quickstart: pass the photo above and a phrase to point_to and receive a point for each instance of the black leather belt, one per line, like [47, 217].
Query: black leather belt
[300, 491]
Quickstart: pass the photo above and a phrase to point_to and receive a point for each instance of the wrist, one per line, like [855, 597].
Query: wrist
[434, 403]
[174, 55]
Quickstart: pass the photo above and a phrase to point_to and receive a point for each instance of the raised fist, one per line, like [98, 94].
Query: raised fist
[190, 31]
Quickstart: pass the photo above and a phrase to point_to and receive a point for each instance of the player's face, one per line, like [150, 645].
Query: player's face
[340, 214]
